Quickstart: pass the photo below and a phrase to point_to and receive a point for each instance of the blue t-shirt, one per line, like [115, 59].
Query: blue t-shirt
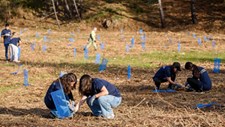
[97, 85]
[205, 79]
[164, 72]
[6, 35]
[15, 41]
[48, 98]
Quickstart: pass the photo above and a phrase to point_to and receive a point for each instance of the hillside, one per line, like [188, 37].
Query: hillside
[129, 14]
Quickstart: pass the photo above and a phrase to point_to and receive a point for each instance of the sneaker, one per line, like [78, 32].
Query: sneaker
[110, 116]
[16, 61]
[188, 88]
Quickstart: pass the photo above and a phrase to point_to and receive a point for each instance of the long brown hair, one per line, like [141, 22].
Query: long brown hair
[85, 87]
[65, 80]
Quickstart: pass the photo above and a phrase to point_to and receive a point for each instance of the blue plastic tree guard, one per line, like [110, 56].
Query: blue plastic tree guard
[103, 65]
[62, 108]
[71, 40]
[164, 91]
[102, 46]
[25, 75]
[44, 48]
[45, 38]
[32, 46]
[140, 31]
[179, 47]
[217, 62]
[127, 48]
[129, 72]
[98, 59]
[74, 52]
[206, 39]
[19, 53]
[199, 41]
[143, 45]
[213, 44]
[194, 35]
[37, 35]
[85, 53]
[98, 37]
[132, 42]
[205, 105]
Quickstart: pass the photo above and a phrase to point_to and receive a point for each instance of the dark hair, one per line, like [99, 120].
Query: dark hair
[188, 65]
[6, 24]
[85, 87]
[66, 79]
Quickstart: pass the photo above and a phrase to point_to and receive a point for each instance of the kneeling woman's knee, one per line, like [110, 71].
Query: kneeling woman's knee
[102, 99]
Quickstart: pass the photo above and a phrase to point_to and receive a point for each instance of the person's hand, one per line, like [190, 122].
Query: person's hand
[72, 105]
[91, 101]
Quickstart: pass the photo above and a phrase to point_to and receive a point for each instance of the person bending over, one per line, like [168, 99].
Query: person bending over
[200, 80]
[68, 82]
[100, 95]
[167, 74]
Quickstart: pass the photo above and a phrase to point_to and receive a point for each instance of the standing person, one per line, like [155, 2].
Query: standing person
[6, 35]
[200, 80]
[14, 49]
[92, 39]
[101, 96]
[167, 74]
[68, 82]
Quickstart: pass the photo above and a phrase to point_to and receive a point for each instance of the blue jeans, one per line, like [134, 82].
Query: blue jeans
[6, 51]
[103, 105]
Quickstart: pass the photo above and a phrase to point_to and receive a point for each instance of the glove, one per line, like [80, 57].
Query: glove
[72, 105]
[91, 101]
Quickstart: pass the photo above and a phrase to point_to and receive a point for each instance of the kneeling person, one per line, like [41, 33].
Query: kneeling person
[14, 49]
[101, 96]
[200, 80]
[68, 82]
[167, 74]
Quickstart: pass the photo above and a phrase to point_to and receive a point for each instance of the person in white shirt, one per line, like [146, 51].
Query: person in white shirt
[92, 39]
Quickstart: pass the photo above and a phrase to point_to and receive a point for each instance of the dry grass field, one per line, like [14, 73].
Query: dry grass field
[24, 106]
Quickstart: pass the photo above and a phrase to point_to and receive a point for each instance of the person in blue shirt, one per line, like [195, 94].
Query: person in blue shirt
[6, 35]
[167, 74]
[100, 95]
[200, 80]
[68, 82]
[14, 49]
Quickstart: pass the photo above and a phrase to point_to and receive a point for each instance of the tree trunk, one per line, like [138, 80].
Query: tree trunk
[162, 18]
[75, 5]
[81, 8]
[53, 4]
[68, 8]
[193, 12]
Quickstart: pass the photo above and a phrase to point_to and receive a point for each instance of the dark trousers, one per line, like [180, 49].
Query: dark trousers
[6, 51]
[195, 84]
[158, 81]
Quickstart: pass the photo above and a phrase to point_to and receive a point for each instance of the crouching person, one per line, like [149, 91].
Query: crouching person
[167, 74]
[14, 49]
[68, 83]
[200, 80]
[100, 95]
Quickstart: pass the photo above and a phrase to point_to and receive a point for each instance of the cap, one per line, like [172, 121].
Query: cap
[177, 66]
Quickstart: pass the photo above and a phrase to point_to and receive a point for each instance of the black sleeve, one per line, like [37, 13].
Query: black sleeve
[70, 95]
